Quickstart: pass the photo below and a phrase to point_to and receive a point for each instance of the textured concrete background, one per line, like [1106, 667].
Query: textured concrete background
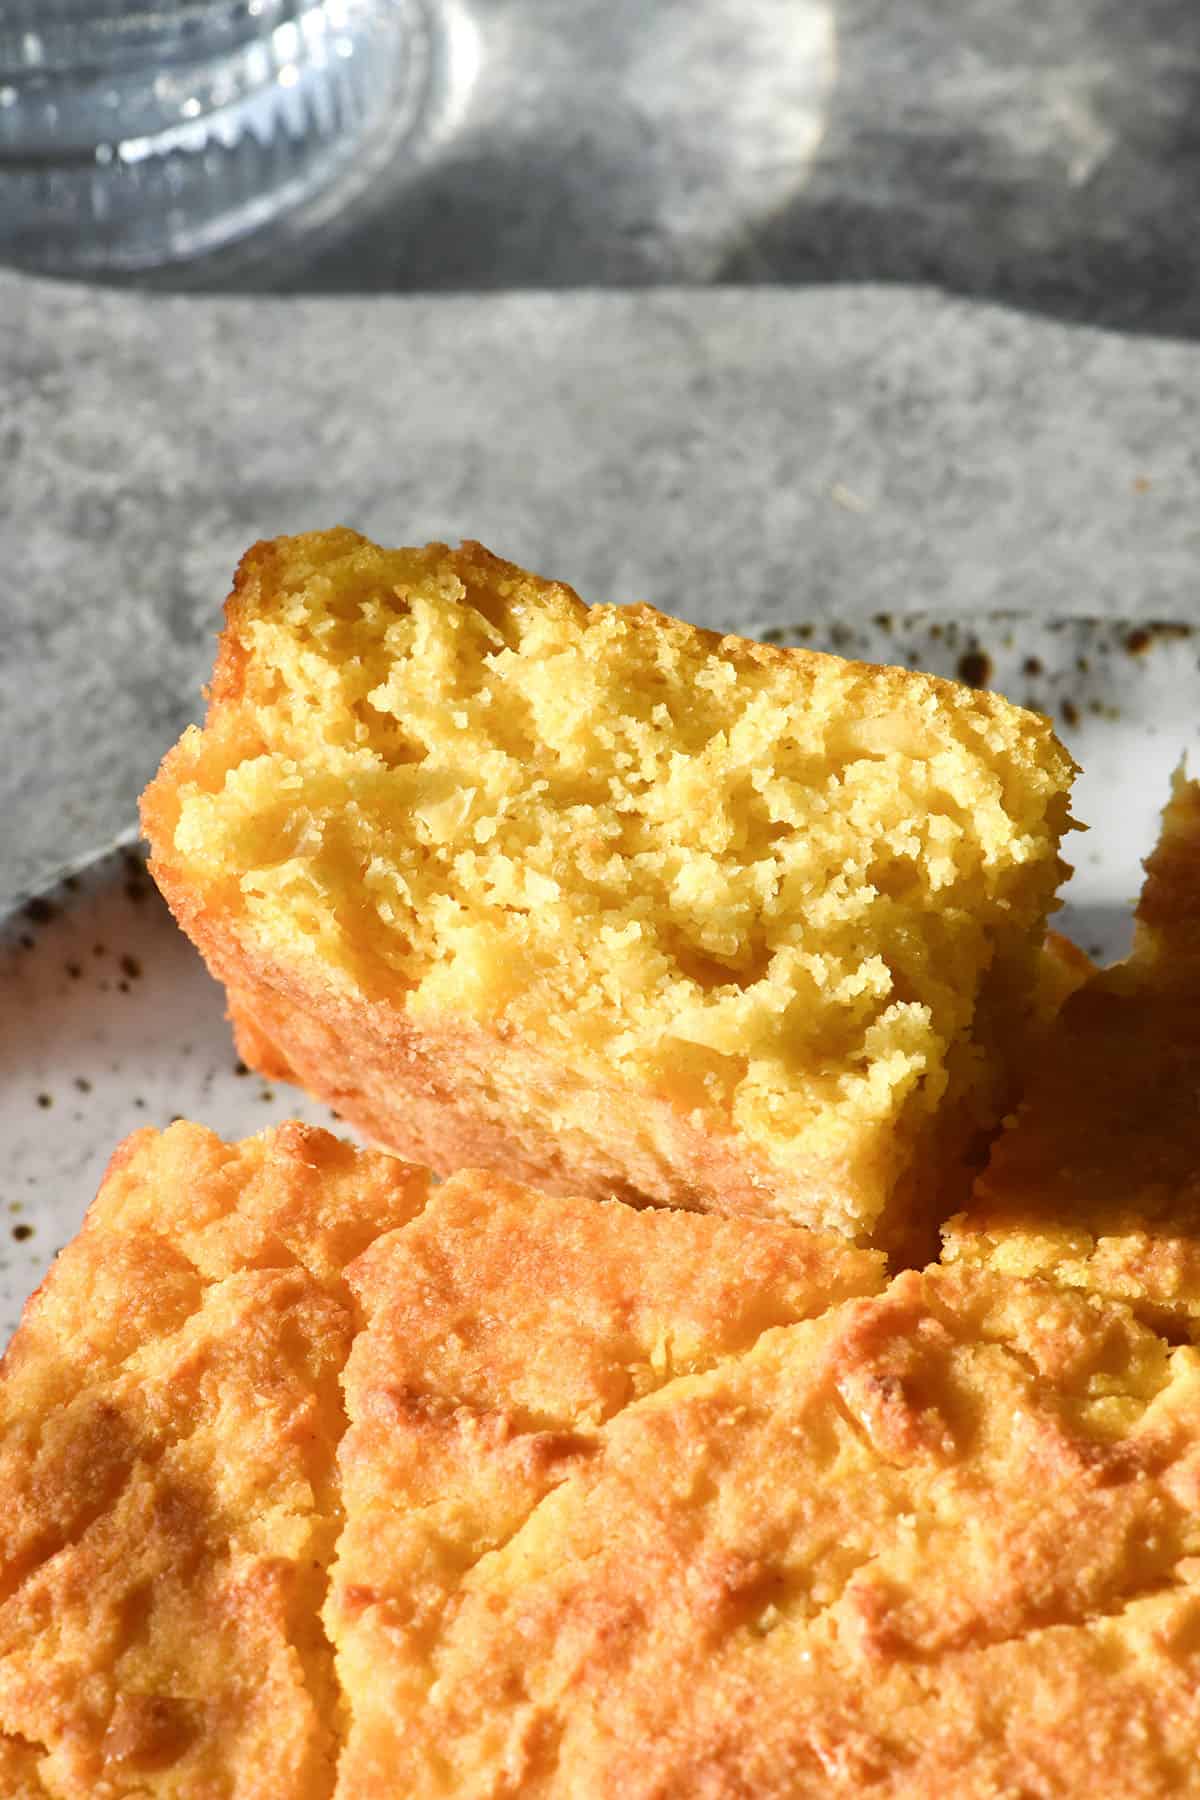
[1044, 156]
[732, 455]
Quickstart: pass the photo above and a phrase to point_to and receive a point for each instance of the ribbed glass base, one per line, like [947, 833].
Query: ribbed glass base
[140, 133]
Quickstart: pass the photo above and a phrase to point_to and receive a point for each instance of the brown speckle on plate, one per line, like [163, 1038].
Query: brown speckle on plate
[975, 668]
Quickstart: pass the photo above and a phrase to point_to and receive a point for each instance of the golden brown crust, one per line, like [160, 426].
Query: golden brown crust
[618, 1503]
[19, 1764]
[169, 1413]
[941, 1541]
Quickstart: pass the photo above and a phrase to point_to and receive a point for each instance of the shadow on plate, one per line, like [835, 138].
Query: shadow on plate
[1103, 930]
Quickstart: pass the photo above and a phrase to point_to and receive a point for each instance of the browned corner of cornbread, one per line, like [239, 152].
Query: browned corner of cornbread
[542, 1495]
[169, 1417]
[605, 901]
[938, 1541]
[1096, 1181]
[172, 1413]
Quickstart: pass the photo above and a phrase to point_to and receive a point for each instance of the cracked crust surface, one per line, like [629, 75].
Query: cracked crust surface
[1096, 1181]
[940, 1540]
[169, 1417]
[318, 1483]
[171, 1409]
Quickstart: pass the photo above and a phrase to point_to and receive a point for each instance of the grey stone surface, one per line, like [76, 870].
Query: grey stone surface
[732, 455]
[1046, 156]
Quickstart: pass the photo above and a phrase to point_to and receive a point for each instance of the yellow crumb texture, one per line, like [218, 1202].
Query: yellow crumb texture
[794, 900]
[1096, 1182]
[546, 1496]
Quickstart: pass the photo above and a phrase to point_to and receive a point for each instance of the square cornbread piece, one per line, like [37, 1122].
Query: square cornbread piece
[604, 901]
[940, 1541]
[1096, 1182]
[169, 1420]
[318, 1483]
[171, 1409]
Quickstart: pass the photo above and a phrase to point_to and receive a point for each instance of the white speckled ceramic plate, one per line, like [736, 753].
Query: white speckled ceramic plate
[110, 1021]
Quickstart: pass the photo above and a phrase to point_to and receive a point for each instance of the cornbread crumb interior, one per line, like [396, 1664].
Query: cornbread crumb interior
[795, 899]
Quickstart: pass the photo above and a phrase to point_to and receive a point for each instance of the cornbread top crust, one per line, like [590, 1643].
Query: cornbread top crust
[1097, 1180]
[789, 894]
[170, 1411]
[941, 1541]
[612, 1509]
[169, 1416]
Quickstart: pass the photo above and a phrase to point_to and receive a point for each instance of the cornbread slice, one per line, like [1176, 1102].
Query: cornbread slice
[941, 1541]
[169, 1417]
[604, 901]
[1097, 1180]
[170, 1411]
[611, 1507]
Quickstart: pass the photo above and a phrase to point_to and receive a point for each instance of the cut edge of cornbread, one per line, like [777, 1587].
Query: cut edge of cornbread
[605, 899]
[1095, 1182]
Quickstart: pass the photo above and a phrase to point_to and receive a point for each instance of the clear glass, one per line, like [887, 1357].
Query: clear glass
[140, 133]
